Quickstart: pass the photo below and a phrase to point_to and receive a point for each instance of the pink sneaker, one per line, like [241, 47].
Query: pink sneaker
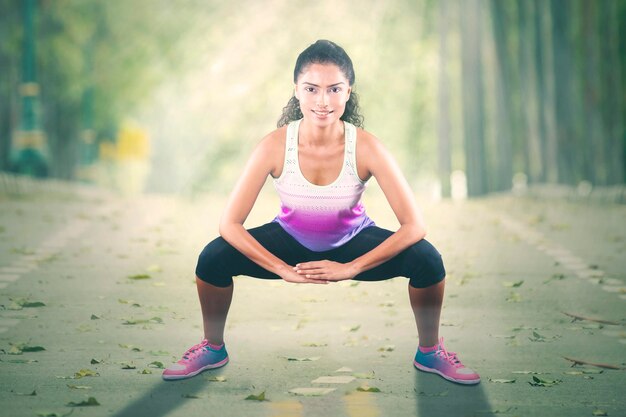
[445, 364]
[198, 358]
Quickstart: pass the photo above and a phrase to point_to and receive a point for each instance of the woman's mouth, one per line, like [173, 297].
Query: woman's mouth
[321, 113]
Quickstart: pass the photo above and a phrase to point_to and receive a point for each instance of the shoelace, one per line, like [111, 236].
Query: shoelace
[194, 351]
[450, 357]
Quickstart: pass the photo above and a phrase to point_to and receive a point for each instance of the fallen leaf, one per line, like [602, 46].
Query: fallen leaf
[537, 338]
[95, 361]
[362, 375]
[153, 320]
[154, 268]
[538, 382]
[84, 373]
[192, 396]
[387, 348]
[258, 397]
[312, 358]
[159, 353]
[128, 365]
[94, 317]
[366, 388]
[145, 372]
[437, 394]
[21, 360]
[131, 347]
[91, 401]
[555, 277]
[503, 381]
[139, 276]
[599, 365]
[579, 317]
[315, 344]
[217, 379]
[599, 413]
[344, 369]
[511, 284]
[131, 302]
[19, 348]
[529, 372]
[72, 386]
[156, 364]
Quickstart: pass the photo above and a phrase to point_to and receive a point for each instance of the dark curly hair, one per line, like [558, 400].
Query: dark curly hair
[324, 52]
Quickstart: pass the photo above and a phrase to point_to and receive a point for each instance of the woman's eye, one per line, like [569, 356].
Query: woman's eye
[335, 89]
[309, 89]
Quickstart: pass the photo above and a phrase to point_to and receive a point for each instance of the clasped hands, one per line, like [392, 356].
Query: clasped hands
[320, 272]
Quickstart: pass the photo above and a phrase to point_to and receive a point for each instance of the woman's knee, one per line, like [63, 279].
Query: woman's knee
[425, 264]
[211, 262]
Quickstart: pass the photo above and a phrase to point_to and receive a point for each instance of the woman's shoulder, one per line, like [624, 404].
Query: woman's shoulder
[274, 140]
[367, 141]
[271, 148]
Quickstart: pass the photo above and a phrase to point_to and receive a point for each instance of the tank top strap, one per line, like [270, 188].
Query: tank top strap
[351, 150]
[291, 147]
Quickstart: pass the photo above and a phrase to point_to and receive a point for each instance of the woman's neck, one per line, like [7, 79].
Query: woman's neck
[312, 135]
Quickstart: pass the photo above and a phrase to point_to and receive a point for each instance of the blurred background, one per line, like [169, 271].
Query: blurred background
[472, 96]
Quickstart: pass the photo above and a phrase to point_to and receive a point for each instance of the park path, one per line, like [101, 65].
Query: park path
[104, 285]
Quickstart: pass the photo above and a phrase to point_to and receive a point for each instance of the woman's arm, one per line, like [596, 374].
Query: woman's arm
[239, 205]
[380, 164]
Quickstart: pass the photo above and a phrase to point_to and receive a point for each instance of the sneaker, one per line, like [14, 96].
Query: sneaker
[446, 364]
[198, 358]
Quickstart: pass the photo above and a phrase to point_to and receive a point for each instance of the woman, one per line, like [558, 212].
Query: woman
[321, 162]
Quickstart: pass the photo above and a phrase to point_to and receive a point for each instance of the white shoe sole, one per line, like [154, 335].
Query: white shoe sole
[204, 368]
[435, 371]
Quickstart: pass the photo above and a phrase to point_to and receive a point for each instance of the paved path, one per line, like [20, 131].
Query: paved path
[518, 269]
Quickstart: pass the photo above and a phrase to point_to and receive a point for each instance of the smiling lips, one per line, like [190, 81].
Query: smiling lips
[321, 113]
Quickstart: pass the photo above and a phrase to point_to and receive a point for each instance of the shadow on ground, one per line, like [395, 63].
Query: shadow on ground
[164, 398]
[437, 397]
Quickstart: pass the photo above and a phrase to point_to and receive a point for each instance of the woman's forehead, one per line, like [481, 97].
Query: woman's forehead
[327, 73]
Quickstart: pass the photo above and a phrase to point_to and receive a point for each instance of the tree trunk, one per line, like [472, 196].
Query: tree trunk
[473, 107]
[544, 97]
[503, 158]
[443, 103]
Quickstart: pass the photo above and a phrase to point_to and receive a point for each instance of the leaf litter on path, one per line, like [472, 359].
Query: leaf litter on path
[138, 277]
[599, 365]
[80, 374]
[367, 388]
[91, 401]
[257, 397]
[19, 348]
[299, 359]
[539, 382]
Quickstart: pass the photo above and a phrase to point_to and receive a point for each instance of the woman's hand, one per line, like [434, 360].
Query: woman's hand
[290, 275]
[326, 270]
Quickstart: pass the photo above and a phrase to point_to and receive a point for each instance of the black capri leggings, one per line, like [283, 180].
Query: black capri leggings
[220, 261]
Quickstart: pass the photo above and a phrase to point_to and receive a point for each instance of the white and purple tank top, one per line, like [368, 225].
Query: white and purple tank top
[321, 217]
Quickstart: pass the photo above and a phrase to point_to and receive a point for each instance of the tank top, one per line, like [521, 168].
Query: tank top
[321, 217]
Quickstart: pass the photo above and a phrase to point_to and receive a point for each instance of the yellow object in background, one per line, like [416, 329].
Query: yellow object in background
[124, 164]
[132, 142]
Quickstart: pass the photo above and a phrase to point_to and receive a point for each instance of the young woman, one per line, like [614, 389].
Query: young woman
[320, 160]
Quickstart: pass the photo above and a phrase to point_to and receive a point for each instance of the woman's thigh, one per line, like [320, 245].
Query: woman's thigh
[220, 261]
[420, 262]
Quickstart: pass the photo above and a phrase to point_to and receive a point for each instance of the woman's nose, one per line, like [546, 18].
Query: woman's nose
[322, 100]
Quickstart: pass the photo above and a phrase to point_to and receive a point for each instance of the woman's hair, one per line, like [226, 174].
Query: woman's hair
[324, 52]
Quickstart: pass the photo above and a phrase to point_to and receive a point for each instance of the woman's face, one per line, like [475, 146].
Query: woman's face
[323, 91]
